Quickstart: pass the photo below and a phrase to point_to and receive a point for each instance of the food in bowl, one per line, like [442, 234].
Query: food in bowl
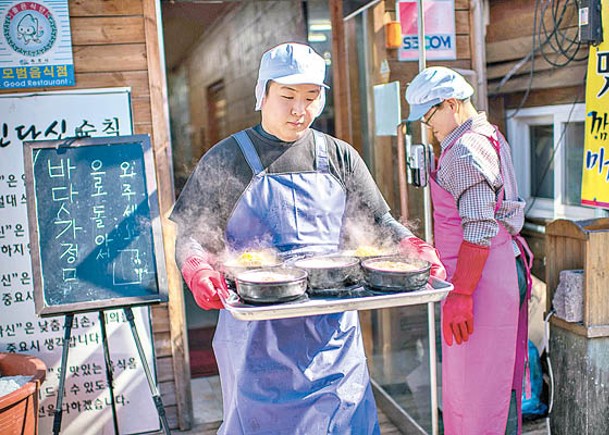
[330, 272]
[369, 251]
[252, 259]
[396, 273]
[248, 260]
[264, 276]
[271, 285]
[396, 266]
[323, 262]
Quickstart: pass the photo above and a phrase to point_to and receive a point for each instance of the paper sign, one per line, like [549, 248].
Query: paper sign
[595, 173]
[86, 405]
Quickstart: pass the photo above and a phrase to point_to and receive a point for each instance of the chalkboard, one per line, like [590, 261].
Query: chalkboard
[95, 233]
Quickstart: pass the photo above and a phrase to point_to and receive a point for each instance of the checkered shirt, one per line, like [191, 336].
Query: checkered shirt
[469, 171]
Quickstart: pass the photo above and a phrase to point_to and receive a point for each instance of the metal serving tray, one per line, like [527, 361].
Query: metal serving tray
[358, 298]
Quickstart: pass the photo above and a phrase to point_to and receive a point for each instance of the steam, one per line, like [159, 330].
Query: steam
[361, 231]
[208, 208]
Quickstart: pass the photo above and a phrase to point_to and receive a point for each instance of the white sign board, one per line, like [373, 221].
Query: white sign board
[86, 405]
[439, 23]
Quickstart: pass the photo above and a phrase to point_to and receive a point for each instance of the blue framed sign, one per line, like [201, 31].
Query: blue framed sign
[35, 45]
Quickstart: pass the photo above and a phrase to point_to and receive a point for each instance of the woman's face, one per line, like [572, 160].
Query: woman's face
[443, 118]
[288, 110]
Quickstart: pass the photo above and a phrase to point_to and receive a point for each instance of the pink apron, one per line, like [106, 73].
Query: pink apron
[478, 376]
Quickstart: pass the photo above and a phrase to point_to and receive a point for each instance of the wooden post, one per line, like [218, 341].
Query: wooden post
[339, 69]
[162, 152]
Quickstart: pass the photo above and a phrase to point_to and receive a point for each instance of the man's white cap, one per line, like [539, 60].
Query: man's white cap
[290, 64]
[432, 86]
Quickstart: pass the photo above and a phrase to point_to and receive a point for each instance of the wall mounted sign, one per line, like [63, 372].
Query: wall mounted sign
[440, 36]
[595, 174]
[35, 45]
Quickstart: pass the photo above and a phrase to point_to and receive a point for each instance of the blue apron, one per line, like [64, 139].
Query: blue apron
[305, 375]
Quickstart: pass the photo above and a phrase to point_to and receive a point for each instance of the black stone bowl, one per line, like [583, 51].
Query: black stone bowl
[330, 272]
[396, 274]
[271, 285]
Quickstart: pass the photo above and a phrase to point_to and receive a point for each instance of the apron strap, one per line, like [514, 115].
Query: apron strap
[249, 152]
[527, 257]
[321, 152]
[497, 146]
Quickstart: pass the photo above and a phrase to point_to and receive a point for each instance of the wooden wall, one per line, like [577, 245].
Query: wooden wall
[230, 51]
[509, 40]
[511, 82]
[116, 44]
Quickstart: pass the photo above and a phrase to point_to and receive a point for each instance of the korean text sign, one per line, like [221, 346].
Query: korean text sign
[94, 224]
[439, 23]
[86, 407]
[595, 173]
[35, 44]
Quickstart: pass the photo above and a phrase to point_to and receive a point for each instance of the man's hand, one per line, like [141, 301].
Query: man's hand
[413, 246]
[207, 285]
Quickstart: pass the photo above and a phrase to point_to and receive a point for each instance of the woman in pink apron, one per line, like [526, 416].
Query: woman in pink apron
[477, 219]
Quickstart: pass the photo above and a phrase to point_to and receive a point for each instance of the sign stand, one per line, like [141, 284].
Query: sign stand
[109, 376]
[99, 253]
[69, 318]
[153, 388]
[62, 376]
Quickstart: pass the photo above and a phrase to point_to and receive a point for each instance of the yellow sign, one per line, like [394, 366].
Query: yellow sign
[595, 174]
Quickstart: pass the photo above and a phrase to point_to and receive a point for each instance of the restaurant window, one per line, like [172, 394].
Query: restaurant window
[216, 109]
[547, 147]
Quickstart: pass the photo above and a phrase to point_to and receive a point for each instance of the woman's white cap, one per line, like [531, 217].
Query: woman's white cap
[432, 86]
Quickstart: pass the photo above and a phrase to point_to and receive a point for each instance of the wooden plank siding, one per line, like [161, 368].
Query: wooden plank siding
[105, 8]
[509, 45]
[116, 43]
[107, 30]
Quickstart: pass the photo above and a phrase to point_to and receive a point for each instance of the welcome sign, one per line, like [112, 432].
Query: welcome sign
[35, 45]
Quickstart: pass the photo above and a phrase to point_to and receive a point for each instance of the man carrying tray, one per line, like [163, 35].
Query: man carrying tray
[285, 186]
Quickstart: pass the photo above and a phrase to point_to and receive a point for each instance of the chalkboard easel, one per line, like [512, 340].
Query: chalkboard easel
[95, 237]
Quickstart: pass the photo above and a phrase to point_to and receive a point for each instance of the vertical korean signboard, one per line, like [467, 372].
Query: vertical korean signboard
[35, 44]
[595, 174]
[86, 404]
[439, 22]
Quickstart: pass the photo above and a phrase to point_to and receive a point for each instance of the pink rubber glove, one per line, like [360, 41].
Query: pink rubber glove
[458, 311]
[413, 246]
[207, 285]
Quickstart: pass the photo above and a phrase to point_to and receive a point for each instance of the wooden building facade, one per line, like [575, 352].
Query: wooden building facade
[528, 68]
[210, 94]
[118, 43]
